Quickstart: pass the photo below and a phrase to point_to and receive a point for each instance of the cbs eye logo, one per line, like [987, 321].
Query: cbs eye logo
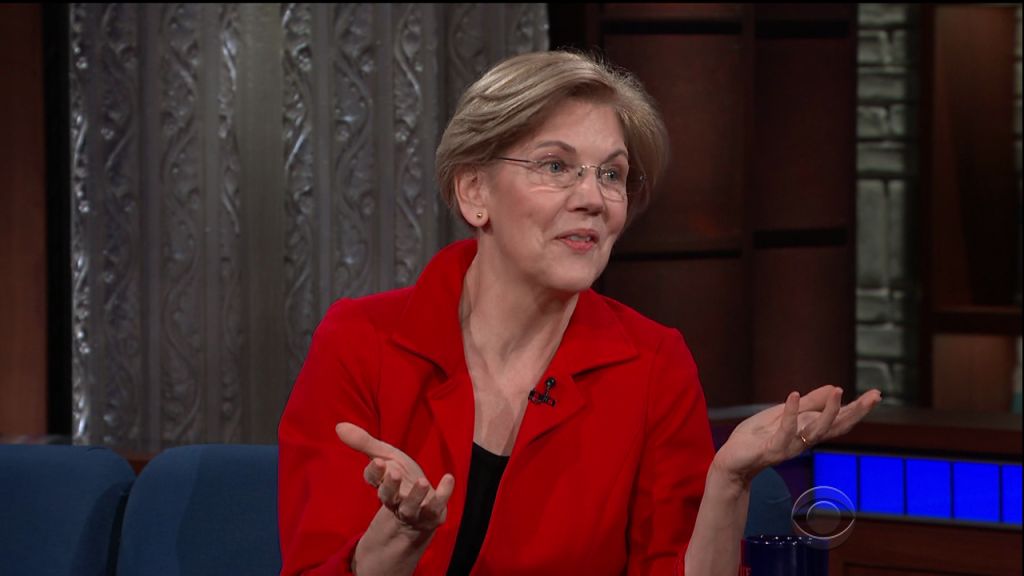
[825, 515]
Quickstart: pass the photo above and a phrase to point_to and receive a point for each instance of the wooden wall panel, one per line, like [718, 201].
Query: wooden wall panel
[805, 104]
[973, 372]
[806, 12]
[697, 81]
[702, 298]
[22, 223]
[974, 194]
[746, 246]
[888, 548]
[802, 315]
[672, 11]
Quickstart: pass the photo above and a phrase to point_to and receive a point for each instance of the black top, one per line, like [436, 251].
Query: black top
[485, 470]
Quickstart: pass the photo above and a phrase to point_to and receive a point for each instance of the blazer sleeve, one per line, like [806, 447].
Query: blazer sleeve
[324, 506]
[675, 458]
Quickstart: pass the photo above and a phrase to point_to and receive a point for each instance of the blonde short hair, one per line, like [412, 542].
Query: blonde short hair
[513, 99]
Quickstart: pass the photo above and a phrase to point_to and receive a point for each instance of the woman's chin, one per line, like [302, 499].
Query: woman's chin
[571, 282]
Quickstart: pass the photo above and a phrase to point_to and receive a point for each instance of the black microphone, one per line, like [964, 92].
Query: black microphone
[544, 398]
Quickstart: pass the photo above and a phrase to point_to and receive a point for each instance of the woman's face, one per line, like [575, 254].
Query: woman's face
[552, 237]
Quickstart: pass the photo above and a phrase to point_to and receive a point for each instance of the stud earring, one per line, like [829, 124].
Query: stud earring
[479, 214]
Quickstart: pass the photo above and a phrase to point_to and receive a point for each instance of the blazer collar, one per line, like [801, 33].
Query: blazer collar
[430, 328]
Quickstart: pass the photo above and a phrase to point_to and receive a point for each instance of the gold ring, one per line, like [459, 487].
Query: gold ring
[804, 440]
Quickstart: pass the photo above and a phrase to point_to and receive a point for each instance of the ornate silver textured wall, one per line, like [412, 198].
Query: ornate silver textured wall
[207, 238]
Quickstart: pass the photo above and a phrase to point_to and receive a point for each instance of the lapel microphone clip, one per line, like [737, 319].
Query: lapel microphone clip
[545, 397]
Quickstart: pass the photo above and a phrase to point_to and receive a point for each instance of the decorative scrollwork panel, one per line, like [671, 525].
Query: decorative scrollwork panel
[299, 198]
[354, 161]
[180, 187]
[120, 262]
[181, 397]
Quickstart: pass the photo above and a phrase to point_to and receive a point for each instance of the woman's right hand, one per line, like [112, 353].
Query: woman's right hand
[400, 482]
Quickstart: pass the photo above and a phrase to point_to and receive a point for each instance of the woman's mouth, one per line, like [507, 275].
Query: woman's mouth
[579, 241]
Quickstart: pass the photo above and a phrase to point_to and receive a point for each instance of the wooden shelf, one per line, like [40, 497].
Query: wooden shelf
[978, 320]
[668, 248]
[645, 12]
[894, 428]
[918, 430]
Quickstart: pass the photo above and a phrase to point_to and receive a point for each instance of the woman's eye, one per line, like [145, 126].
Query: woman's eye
[553, 166]
[611, 174]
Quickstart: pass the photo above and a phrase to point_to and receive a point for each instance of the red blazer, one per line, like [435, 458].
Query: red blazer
[607, 481]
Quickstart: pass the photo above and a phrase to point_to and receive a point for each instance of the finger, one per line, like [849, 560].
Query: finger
[444, 490]
[361, 440]
[790, 413]
[388, 490]
[818, 429]
[409, 509]
[374, 472]
[788, 424]
[436, 501]
[854, 412]
[816, 399]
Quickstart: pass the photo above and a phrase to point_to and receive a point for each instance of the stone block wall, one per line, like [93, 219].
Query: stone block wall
[887, 108]
[887, 177]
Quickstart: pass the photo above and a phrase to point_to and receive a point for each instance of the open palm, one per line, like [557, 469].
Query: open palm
[401, 485]
[781, 432]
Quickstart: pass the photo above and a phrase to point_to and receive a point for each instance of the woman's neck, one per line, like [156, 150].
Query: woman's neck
[506, 319]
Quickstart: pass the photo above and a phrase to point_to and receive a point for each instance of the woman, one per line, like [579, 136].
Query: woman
[508, 419]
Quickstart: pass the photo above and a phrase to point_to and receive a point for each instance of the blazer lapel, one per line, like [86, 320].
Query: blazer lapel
[594, 339]
[430, 329]
[451, 405]
[429, 326]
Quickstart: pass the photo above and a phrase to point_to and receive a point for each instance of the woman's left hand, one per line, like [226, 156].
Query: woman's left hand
[781, 432]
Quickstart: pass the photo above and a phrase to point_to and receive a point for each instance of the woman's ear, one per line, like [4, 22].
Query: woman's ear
[471, 196]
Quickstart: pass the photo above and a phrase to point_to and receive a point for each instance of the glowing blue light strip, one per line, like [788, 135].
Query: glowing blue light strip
[881, 485]
[1011, 494]
[927, 488]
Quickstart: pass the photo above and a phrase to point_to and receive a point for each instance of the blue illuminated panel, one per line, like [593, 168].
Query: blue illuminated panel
[935, 488]
[881, 484]
[838, 471]
[929, 492]
[976, 491]
[1011, 494]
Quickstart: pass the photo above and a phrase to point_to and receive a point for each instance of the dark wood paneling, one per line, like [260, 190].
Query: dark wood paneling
[806, 11]
[978, 320]
[973, 372]
[858, 570]
[671, 11]
[891, 548]
[703, 298]
[22, 223]
[941, 432]
[697, 81]
[804, 109]
[969, 201]
[803, 312]
[975, 218]
[759, 102]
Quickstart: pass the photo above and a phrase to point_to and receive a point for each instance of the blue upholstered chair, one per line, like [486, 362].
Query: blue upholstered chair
[60, 509]
[203, 510]
[771, 506]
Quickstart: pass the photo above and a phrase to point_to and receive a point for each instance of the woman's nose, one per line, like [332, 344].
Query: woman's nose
[586, 192]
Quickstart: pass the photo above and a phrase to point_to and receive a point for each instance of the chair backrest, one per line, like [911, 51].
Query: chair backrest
[60, 509]
[203, 510]
[771, 506]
